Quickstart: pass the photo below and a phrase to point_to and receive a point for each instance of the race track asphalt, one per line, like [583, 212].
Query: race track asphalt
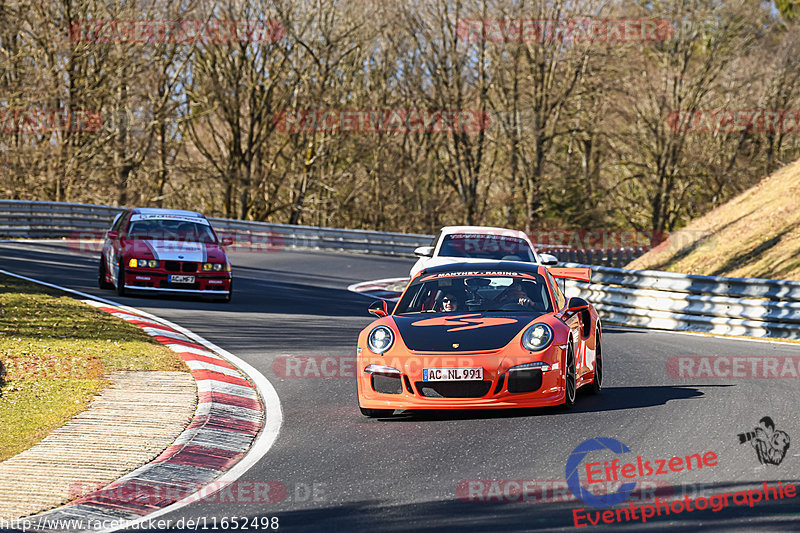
[345, 472]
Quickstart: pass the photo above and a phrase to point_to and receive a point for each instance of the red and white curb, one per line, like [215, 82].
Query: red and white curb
[388, 289]
[237, 419]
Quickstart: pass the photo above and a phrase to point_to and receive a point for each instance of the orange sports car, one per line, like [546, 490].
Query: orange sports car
[477, 336]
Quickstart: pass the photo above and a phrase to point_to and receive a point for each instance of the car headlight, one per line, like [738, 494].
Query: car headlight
[380, 339]
[216, 267]
[537, 337]
[143, 263]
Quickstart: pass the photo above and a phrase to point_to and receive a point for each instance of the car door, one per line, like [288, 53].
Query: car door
[584, 357]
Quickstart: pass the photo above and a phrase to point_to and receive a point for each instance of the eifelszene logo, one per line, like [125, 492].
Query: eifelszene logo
[574, 481]
[769, 443]
[616, 471]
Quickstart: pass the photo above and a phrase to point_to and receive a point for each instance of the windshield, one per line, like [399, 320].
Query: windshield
[477, 292]
[490, 247]
[171, 230]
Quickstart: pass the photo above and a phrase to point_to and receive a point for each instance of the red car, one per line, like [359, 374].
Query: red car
[480, 336]
[165, 251]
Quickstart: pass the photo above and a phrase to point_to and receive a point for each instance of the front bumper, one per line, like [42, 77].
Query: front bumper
[501, 387]
[205, 283]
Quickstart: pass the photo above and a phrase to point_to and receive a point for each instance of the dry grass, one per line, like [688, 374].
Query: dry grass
[755, 235]
[54, 351]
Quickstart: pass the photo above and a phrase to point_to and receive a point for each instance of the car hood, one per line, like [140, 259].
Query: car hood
[460, 332]
[165, 250]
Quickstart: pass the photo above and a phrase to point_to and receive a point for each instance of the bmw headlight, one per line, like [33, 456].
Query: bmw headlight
[380, 339]
[143, 263]
[537, 337]
[216, 267]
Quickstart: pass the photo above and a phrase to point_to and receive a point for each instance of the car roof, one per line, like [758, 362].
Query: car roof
[488, 230]
[159, 211]
[489, 266]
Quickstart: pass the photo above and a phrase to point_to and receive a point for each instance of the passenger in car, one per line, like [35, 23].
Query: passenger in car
[448, 303]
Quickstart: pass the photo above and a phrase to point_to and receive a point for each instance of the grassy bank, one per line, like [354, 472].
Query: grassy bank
[54, 351]
[755, 235]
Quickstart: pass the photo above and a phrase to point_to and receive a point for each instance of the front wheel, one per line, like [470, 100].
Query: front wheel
[597, 382]
[121, 280]
[376, 413]
[570, 383]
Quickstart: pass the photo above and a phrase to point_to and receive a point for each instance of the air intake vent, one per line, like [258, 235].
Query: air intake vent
[453, 389]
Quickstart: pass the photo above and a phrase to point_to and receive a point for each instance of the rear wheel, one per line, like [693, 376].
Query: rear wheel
[121, 280]
[101, 275]
[569, 379]
[597, 382]
[376, 413]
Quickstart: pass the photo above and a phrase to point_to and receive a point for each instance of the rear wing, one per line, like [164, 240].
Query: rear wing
[581, 274]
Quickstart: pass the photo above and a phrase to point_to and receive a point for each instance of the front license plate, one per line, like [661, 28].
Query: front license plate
[181, 279]
[453, 374]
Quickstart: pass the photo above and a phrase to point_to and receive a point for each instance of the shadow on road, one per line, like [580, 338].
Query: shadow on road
[611, 399]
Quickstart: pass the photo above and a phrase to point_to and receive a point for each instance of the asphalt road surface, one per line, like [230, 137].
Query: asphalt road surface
[428, 472]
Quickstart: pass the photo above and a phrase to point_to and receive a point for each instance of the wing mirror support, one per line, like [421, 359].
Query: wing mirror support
[379, 308]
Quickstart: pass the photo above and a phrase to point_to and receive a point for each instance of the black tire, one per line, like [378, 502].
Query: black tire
[101, 275]
[376, 413]
[570, 381]
[597, 382]
[121, 280]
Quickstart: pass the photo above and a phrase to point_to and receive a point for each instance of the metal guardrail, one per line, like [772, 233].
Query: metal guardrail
[28, 219]
[664, 300]
[21, 219]
[615, 257]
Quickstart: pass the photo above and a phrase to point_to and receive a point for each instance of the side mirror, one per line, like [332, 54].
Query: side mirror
[378, 308]
[227, 240]
[112, 234]
[424, 251]
[576, 304]
[579, 305]
[548, 259]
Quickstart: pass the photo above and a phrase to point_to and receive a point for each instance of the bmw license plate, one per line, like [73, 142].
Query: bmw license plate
[453, 374]
[181, 279]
